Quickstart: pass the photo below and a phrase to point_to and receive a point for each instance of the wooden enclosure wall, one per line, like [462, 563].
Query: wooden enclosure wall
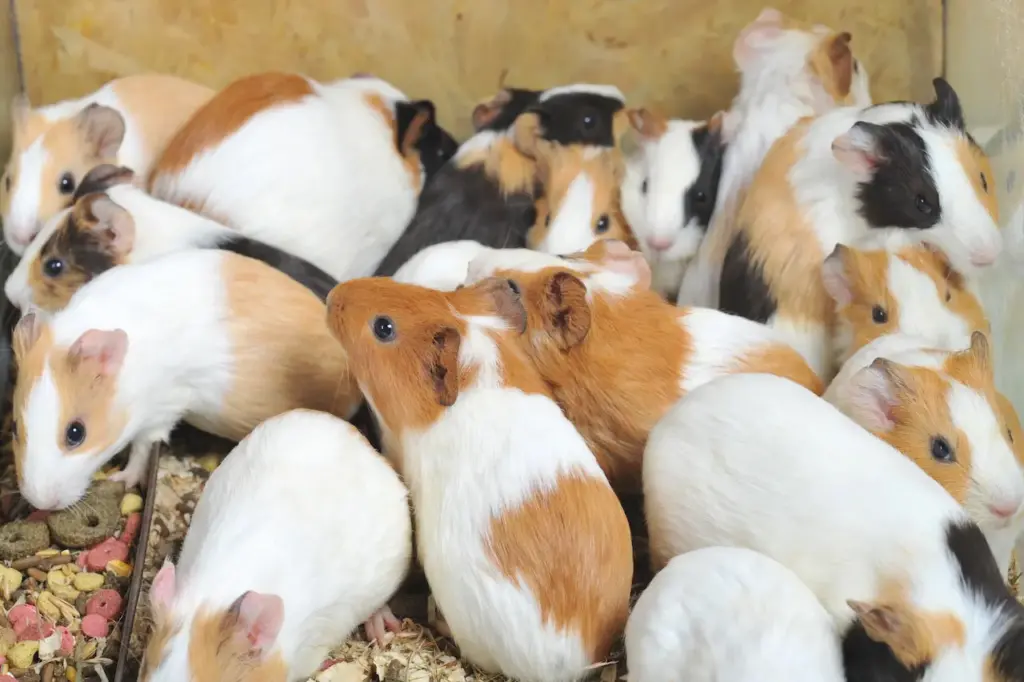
[9, 80]
[673, 54]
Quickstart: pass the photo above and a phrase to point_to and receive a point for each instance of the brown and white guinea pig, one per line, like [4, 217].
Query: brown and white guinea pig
[618, 355]
[913, 290]
[486, 193]
[217, 339]
[901, 170]
[127, 122]
[114, 222]
[788, 70]
[524, 544]
[330, 172]
[940, 408]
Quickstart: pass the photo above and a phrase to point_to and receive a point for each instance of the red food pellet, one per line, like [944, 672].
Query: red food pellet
[131, 528]
[83, 560]
[106, 603]
[67, 641]
[7, 677]
[22, 612]
[105, 552]
[95, 626]
[33, 631]
[39, 515]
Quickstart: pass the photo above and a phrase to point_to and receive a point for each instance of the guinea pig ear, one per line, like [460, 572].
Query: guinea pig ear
[565, 310]
[528, 135]
[443, 365]
[859, 148]
[617, 256]
[104, 350]
[27, 332]
[103, 129]
[101, 178]
[161, 593]
[20, 111]
[485, 113]
[973, 365]
[757, 35]
[840, 58]
[507, 300]
[257, 617]
[649, 124]
[912, 636]
[834, 275]
[874, 393]
[411, 120]
[111, 224]
[946, 109]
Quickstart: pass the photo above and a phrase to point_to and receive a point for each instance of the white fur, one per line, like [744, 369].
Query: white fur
[496, 446]
[441, 266]
[319, 178]
[488, 263]
[298, 482]
[756, 461]
[572, 224]
[996, 477]
[609, 91]
[22, 221]
[727, 614]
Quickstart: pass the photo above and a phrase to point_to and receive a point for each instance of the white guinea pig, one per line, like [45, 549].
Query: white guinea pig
[728, 614]
[238, 607]
[441, 266]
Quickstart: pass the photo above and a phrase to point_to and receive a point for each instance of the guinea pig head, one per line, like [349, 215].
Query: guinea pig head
[948, 420]
[914, 291]
[413, 349]
[500, 111]
[67, 420]
[94, 235]
[233, 644]
[928, 175]
[580, 114]
[49, 159]
[423, 143]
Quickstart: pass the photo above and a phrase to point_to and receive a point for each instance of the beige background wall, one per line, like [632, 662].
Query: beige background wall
[9, 82]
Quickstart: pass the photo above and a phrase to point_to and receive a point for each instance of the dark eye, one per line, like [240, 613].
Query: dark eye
[66, 185]
[53, 267]
[74, 434]
[700, 197]
[589, 121]
[513, 286]
[856, 66]
[984, 182]
[602, 225]
[643, 187]
[878, 315]
[383, 328]
[923, 206]
[942, 451]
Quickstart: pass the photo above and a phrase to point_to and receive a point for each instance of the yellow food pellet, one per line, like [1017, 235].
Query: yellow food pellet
[47, 606]
[22, 653]
[99, 476]
[88, 582]
[70, 674]
[119, 568]
[47, 553]
[130, 503]
[89, 650]
[10, 579]
[209, 462]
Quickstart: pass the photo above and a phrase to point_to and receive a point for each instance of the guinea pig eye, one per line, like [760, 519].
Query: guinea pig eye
[383, 328]
[589, 121]
[923, 205]
[643, 187]
[53, 267]
[878, 315]
[700, 197]
[984, 182]
[66, 184]
[602, 224]
[949, 295]
[942, 451]
[74, 434]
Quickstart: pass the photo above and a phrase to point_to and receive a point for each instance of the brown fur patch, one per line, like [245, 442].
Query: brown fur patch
[781, 360]
[503, 162]
[225, 113]
[979, 171]
[831, 61]
[218, 653]
[156, 647]
[649, 124]
[1015, 434]
[285, 357]
[586, 590]
[951, 285]
[405, 148]
[867, 274]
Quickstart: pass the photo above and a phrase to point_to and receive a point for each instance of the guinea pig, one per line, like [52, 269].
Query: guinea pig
[525, 546]
[339, 166]
[217, 339]
[913, 290]
[759, 462]
[617, 355]
[940, 409]
[126, 122]
[441, 266]
[499, 112]
[298, 478]
[113, 222]
[730, 614]
[669, 191]
[906, 169]
[788, 70]
[487, 192]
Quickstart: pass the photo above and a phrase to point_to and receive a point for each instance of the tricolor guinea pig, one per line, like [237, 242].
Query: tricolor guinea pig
[912, 290]
[904, 169]
[487, 192]
[908, 579]
[298, 478]
[113, 222]
[940, 408]
[330, 172]
[617, 355]
[126, 122]
[217, 339]
[730, 614]
[788, 70]
[669, 191]
[524, 544]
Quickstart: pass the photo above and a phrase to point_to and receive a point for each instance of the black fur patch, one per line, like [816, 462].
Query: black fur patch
[435, 145]
[699, 200]
[578, 118]
[83, 253]
[365, 421]
[100, 179]
[901, 191]
[462, 203]
[946, 109]
[521, 99]
[865, 660]
[743, 290]
[300, 270]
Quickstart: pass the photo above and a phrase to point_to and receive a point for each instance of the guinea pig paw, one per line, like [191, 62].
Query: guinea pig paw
[130, 476]
[380, 623]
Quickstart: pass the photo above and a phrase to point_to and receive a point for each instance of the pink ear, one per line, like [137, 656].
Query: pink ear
[871, 396]
[161, 593]
[259, 618]
[757, 35]
[621, 259]
[106, 348]
[858, 149]
[833, 276]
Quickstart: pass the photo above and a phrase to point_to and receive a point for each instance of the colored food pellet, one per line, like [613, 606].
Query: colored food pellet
[95, 626]
[130, 503]
[119, 568]
[131, 528]
[88, 582]
[22, 612]
[10, 580]
[67, 641]
[22, 653]
[106, 603]
[105, 552]
[71, 674]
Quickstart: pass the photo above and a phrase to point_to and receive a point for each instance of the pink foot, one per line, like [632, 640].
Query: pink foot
[380, 623]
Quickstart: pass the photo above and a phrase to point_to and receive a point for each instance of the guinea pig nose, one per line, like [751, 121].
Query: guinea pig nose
[659, 243]
[1004, 511]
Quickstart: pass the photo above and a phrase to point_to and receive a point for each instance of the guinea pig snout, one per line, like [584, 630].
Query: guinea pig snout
[1005, 510]
[659, 243]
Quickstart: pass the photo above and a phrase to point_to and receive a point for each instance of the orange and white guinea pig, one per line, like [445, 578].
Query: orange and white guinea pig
[127, 122]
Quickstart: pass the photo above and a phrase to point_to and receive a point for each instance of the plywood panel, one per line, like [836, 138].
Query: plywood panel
[671, 53]
[10, 84]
